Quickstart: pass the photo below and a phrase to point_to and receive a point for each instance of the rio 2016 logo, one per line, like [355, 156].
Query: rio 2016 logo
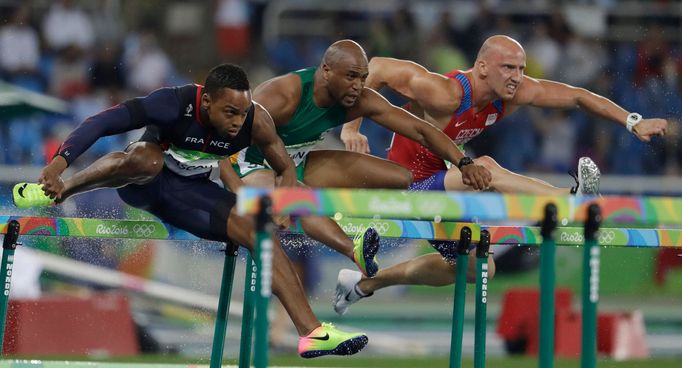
[606, 237]
[144, 231]
[381, 227]
[113, 229]
[124, 230]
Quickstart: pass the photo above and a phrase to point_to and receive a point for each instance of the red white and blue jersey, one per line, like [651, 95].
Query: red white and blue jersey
[464, 125]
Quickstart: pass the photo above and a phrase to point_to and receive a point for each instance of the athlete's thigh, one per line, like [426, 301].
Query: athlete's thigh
[198, 206]
[148, 145]
[260, 178]
[345, 169]
[208, 211]
[143, 159]
[144, 147]
[142, 196]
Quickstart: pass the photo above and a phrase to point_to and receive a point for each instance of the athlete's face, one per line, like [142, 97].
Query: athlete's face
[346, 79]
[227, 110]
[505, 71]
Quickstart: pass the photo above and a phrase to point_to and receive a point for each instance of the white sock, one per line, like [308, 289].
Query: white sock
[360, 292]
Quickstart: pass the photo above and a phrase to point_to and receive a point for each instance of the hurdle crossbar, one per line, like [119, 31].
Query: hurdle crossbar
[456, 206]
[87, 227]
[510, 235]
[408, 229]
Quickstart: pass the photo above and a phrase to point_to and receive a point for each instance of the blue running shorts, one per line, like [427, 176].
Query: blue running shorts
[198, 206]
[433, 182]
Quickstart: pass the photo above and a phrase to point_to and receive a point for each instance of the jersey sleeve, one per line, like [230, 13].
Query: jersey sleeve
[160, 108]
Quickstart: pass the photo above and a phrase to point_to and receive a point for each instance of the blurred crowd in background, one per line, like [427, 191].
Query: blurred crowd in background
[95, 54]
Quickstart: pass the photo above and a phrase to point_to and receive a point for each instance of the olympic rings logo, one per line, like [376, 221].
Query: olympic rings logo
[144, 231]
[606, 237]
[380, 227]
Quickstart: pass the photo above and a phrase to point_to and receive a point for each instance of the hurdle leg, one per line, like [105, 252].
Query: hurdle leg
[264, 227]
[460, 298]
[481, 298]
[9, 245]
[247, 312]
[590, 288]
[223, 305]
[547, 281]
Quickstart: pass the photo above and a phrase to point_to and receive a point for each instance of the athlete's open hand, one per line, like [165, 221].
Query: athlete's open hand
[650, 127]
[354, 141]
[476, 176]
[51, 179]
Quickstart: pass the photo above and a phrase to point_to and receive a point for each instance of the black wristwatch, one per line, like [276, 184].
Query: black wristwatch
[464, 161]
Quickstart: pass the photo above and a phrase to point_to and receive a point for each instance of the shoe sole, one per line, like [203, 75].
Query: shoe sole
[446, 248]
[581, 179]
[371, 237]
[348, 347]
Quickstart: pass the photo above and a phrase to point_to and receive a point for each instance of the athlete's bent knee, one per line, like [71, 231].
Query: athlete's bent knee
[142, 163]
[487, 162]
[404, 178]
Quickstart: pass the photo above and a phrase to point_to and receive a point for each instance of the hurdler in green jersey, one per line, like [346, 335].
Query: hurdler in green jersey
[309, 102]
[302, 132]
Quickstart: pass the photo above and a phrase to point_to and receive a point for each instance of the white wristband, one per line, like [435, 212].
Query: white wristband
[632, 120]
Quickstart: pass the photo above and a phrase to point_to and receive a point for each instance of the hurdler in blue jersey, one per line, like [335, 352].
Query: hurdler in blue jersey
[180, 171]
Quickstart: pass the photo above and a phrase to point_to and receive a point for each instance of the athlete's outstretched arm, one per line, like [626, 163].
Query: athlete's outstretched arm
[159, 107]
[432, 91]
[265, 137]
[377, 108]
[545, 93]
[228, 176]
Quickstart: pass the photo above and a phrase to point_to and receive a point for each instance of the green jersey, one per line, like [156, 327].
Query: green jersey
[306, 127]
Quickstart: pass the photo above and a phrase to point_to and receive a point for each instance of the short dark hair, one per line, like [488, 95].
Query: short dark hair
[226, 76]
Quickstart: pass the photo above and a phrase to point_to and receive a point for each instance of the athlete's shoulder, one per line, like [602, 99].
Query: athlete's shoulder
[459, 85]
[441, 94]
[279, 96]
[175, 92]
[284, 89]
[163, 105]
[287, 86]
[176, 89]
[260, 113]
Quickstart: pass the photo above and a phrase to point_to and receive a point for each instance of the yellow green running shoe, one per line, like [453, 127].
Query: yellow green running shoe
[27, 195]
[365, 251]
[327, 340]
